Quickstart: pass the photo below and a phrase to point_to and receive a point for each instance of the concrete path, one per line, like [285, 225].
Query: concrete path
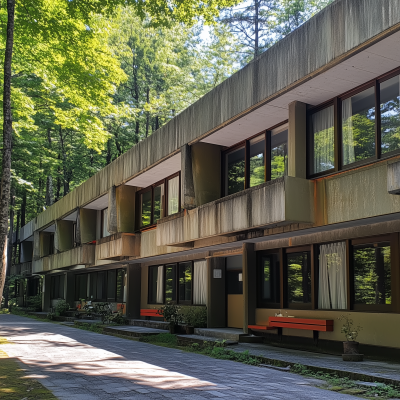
[81, 365]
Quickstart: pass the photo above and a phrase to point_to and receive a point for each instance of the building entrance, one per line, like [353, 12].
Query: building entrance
[234, 291]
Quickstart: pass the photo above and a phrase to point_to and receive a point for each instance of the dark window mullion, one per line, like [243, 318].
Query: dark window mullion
[378, 141]
[267, 166]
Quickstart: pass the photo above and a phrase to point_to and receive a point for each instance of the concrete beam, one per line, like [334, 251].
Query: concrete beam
[188, 198]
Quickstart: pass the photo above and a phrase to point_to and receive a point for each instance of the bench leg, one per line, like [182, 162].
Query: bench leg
[280, 334]
[315, 337]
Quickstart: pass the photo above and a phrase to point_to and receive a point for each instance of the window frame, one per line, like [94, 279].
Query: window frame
[177, 301]
[164, 201]
[337, 103]
[260, 302]
[246, 144]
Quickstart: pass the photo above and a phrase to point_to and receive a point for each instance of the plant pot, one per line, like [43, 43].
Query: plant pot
[189, 330]
[350, 347]
[172, 328]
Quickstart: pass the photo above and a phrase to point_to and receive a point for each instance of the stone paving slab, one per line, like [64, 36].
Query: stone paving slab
[134, 331]
[380, 371]
[82, 365]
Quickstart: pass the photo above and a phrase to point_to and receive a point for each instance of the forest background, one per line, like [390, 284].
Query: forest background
[81, 100]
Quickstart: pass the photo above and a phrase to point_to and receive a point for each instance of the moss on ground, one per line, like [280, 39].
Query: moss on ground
[14, 385]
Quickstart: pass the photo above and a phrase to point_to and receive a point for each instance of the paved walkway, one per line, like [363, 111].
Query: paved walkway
[82, 365]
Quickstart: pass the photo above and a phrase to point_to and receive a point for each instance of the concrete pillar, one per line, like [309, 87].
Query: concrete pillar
[125, 203]
[188, 199]
[64, 235]
[216, 296]
[249, 276]
[133, 288]
[98, 225]
[87, 225]
[36, 245]
[112, 211]
[69, 288]
[297, 163]
[206, 170]
[46, 290]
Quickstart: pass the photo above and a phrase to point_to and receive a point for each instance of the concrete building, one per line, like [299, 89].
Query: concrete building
[277, 192]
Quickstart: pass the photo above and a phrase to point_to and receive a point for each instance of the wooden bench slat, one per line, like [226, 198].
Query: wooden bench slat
[150, 313]
[308, 327]
[260, 327]
[307, 321]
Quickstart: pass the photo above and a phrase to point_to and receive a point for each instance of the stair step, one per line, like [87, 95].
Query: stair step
[149, 324]
[220, 333]
[251, 339]
[187, 340]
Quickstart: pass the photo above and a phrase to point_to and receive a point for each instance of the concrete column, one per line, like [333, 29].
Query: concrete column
[125, 203]
[206, 170]
[249, 275]
[188, 199]
[69, 288]
[297, 163]
[98, 225]
[133, 288]
[36, 245]
[216, 296]
[112, 211]
[87, 225]
[78, 236]
[64, 235]
[46, 293]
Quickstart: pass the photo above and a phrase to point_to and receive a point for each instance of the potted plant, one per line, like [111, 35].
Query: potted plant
[172, 314]
[195, 317]
[350, 346]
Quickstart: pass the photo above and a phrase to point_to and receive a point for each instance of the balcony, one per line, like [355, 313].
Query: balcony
[82, 255]
[282, 201]
[118, 247]
[21, 269]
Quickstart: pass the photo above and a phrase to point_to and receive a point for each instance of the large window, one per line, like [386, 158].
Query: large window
[372, 274]
[256, 161]
[57, 287]
[158, 200]
[356, 128]
[299, 279]
[269, 281]
[183, 283]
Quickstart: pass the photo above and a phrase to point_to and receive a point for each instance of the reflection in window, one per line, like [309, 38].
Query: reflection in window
[145, 208]
[170, 282]
[299, 277]
[322, 140]
[270, 287]
[173, 195]
[358, 126]
[257, 168]
[390, 114]
[158, 203]
[120, 285]
[279, 154]
[372, 274]
[185, 281]
[235, 171]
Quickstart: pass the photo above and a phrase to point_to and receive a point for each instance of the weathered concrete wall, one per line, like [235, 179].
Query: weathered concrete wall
[117, 246]
[64, 236]
[44, 243]
[112, 226]
[21, 269]
[148, 245]
[188, 198]
[27, 230]
[336, 33]
[283, 200]
[125, 203]
[88, 222]
[206, 169]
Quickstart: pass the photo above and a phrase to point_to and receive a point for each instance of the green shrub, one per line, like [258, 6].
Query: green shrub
[62, 307]
[35, 302]
[172, 313]
[196, 316]
[164, 338]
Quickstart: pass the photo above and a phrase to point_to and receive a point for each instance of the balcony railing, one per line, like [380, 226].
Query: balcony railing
[282, 201]
[118, 247]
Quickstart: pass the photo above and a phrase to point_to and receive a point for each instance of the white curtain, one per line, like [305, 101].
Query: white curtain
[347, 132]
[173, 195]
[332, 292]
[160, 285]
[200, 282]
[324, 144]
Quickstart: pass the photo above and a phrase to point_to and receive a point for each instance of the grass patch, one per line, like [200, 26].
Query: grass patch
[14, 385]
[98, 328]
[166, 339]
[4, 311]
[348, 386]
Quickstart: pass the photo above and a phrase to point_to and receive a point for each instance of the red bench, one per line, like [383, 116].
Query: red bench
[151, 312]
[309, 324]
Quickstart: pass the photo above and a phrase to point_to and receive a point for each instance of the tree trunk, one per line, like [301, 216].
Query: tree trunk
[256, 28]
[148, 113]
[10, 244]
[49, 182]
[7, 138]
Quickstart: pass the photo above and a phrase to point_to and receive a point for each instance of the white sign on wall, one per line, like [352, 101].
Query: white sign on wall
[217, 273]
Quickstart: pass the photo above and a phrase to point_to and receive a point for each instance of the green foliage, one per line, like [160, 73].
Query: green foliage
[196, 316]
[172, 313]
[161, 338]
[104, 310]
[62, 307]
[35, 302]
[348, 329]
[98, 328]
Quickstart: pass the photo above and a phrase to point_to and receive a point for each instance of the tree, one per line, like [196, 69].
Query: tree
[49, 31]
